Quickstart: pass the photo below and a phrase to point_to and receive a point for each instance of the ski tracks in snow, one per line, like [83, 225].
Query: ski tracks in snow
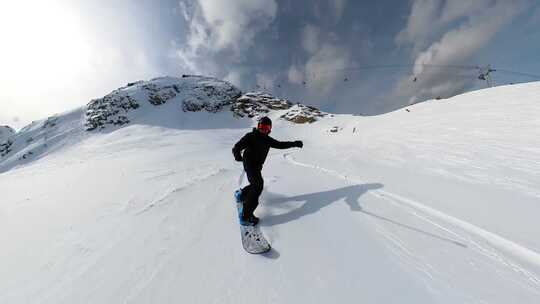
[193, 181]
[501, 248]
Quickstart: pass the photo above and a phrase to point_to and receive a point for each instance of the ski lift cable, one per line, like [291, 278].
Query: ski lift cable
[402, 66]
[483, 70]
[517, 73]
[347, 78]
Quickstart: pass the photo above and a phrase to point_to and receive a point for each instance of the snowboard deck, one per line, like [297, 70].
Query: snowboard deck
[253, 239]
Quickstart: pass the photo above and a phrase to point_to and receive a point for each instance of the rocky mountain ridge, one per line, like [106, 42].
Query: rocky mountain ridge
[254, 104]
[125, 105]
[192, 93]
[6, 132]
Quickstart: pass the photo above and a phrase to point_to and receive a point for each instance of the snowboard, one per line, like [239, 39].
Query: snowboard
[253, 239]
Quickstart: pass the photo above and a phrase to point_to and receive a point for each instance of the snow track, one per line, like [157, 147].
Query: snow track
[522, 257]
[193, 181]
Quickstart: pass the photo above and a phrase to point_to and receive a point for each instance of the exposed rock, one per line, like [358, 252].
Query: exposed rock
[301, 114]
[5, 147]
[26, 155]
[210, 95]
[109, 110]
[193, 93]
[133, 83]
[256, 104]
[158, 95]
[6, 133]
[50, 122]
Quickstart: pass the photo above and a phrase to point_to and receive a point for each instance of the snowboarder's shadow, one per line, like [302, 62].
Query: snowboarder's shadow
[313, 202]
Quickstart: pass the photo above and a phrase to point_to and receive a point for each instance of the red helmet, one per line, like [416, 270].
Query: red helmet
[265, 125]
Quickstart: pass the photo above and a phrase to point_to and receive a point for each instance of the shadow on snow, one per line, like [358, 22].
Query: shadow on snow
[313, 202]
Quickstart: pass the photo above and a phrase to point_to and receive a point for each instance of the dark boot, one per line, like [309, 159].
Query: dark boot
[249, 220]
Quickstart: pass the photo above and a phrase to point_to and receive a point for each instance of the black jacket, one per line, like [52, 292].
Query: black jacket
[256, 146]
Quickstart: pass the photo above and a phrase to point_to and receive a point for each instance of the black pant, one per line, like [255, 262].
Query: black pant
[251, 192]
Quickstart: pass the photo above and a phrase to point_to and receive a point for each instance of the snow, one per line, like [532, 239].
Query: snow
[434, 204]
[191, 93]
[5, 133]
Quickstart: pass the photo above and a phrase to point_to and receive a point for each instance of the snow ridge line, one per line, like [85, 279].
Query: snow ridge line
[522, 253]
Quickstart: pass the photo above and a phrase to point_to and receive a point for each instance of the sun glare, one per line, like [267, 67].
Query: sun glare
[41, 40]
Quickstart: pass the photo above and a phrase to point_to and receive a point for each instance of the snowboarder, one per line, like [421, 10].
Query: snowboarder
[255, 145]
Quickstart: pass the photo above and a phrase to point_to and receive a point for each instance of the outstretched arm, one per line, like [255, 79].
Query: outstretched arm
[276, 144]
[239, 146]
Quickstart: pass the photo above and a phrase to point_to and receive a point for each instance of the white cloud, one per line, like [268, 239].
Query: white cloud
[456, 46]
[429, 17]
[453, 10]
[266, 81]
[310, 38]
[234, 23]
[420, 24]
[339, 8]
[295, 75]
[216, 25]
[321, 67]
[327, 58]
[234, 77]
[59, 55]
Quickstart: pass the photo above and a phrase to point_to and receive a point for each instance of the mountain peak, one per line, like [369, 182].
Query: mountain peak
[163, 101]
[190, 92]
[255, 104]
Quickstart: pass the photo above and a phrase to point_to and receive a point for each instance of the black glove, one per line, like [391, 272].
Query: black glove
[298, 144]
[238, 158]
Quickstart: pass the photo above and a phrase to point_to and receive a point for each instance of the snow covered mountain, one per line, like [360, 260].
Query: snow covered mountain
[129, 199]
[164, 101]
[6, 132]
[191, 93]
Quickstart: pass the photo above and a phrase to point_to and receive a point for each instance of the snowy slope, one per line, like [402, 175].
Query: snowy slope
[436, 204]
[161, 101]
[5, 133]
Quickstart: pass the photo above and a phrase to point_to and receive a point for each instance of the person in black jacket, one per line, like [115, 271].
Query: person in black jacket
[255, 145]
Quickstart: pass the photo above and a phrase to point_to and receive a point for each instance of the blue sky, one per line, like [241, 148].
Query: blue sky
[363, 57]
